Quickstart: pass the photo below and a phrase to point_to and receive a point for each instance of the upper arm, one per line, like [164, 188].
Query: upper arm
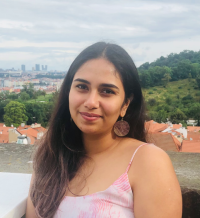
[156, 188]
[30, 209]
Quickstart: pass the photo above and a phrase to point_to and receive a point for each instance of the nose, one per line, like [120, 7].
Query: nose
[92, 101]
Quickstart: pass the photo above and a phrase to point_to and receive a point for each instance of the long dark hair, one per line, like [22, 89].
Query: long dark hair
[61, 152]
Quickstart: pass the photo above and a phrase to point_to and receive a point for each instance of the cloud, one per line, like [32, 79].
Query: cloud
[57, 30]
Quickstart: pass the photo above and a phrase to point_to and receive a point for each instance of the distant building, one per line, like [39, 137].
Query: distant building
[44, 68]
[23, 68]
[37, 67]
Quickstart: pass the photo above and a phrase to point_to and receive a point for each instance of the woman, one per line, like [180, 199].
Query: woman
[87, 165]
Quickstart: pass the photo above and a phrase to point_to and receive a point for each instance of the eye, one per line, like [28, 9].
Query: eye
[107, 91]
[82, 86]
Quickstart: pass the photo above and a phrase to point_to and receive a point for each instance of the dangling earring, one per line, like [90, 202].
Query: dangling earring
[121, 128]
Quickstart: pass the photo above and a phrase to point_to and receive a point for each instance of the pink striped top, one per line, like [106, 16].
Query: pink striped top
[116, 201]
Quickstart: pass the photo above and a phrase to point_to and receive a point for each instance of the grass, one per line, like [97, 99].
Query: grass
[173, 90]
[41, 98]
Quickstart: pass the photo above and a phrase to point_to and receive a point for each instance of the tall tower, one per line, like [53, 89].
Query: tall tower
[37, 67]
[23, 68]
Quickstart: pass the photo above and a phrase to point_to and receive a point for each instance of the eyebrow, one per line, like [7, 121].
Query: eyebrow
[107, 85]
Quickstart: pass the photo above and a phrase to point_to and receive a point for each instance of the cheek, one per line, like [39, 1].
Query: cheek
[112, 109]
[74, 101]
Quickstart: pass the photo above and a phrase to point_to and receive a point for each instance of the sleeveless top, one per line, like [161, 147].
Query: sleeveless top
[116, 201]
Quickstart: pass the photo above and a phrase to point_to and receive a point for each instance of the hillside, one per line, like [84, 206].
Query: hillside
[178, 101]
[175, 89]
[173, 59]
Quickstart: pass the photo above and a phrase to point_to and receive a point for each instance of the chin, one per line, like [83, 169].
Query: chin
[88, 130]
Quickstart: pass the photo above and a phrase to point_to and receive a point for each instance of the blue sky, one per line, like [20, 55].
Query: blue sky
[53, 32]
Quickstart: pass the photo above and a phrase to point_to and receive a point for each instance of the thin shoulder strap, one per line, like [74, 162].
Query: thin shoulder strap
[134, 156]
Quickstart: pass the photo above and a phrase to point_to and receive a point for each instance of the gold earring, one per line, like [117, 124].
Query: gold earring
[121, 128]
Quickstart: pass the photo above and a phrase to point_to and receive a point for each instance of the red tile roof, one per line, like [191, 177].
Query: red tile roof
[166, 141]
[152, 127]
[193, 135]
[191, 146]
[29, 131]
[40, 129]
[17, 90]
[5, 130]
[33, 139]
[177, 126]
[193, 128]
[25, 127]
[4, 138]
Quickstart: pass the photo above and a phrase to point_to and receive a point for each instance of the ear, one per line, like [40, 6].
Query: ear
[125, 107]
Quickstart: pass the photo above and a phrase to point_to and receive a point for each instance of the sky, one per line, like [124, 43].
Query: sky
[54, 32]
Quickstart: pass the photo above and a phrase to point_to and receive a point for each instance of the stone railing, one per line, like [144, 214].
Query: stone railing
[16, 158]
[187, 168]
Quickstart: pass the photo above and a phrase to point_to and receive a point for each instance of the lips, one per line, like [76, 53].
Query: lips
[89, 114]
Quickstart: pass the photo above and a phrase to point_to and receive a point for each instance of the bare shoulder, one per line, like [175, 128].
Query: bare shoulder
[154, 183]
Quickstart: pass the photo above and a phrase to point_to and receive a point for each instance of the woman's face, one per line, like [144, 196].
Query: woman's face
[96, 97]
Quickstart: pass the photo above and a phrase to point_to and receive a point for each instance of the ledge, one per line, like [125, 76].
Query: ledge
[15, 158]
[187, 168]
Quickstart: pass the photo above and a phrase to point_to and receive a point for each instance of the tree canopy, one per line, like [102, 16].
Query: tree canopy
[15, 114]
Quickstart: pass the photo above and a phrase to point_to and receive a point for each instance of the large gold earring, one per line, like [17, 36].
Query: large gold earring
[121, 128]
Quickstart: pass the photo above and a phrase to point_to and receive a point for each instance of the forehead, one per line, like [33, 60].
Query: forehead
[99, 70]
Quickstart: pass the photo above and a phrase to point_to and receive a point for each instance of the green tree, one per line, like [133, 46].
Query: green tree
[195, 112]
[14, 113]
[189, 77]
[2, 106]
[145, 79]
[198, 81]
[166, 78]
[161, 116]
[168, 100]
[24, 96]
[38, 112]
[29, 89]
[4, 95]
[152, 101]
[44, 93]
[177, 116]
[13, 96]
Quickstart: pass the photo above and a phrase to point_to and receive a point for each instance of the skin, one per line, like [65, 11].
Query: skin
[151, 175]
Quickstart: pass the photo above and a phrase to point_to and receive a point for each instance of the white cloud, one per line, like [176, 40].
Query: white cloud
[55, 31]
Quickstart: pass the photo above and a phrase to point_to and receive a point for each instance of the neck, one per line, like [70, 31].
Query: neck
[96, 144]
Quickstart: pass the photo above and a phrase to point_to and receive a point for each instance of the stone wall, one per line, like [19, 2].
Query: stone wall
[16, 158]
[187, 168]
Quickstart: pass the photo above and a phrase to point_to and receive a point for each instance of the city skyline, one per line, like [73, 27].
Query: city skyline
[23, 68]
[146, 29]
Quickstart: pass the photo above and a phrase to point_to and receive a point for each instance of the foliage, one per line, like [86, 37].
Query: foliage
[24, 96]
[195, 112]
[38, 113]
[168, 100]
[14, 113]
[198, 81]
[152, 101]
[177, 116]
[172, 68]
[2, 105]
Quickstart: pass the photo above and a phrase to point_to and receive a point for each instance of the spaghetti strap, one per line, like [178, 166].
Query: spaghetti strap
[133, 156]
